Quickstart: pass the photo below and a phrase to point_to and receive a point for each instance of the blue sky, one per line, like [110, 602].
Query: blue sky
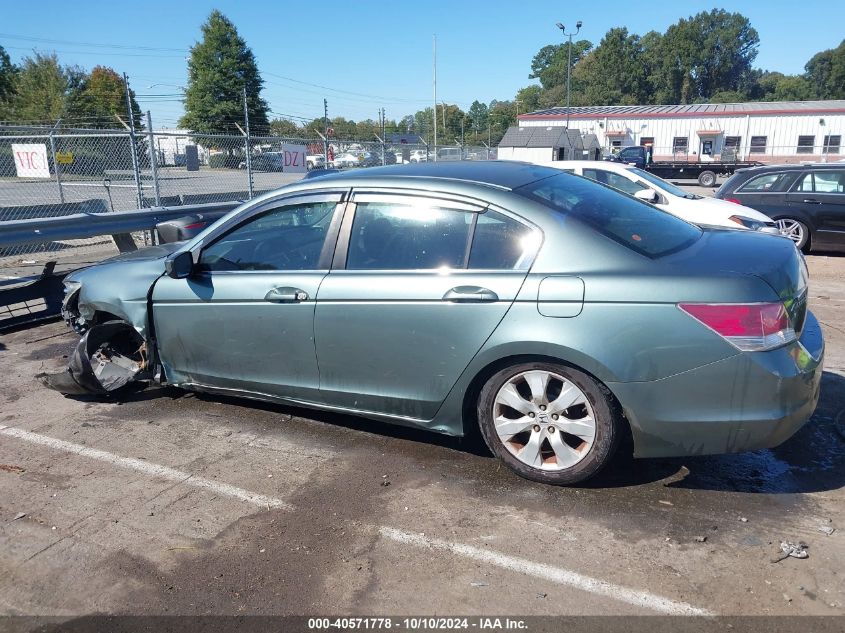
[365, 55]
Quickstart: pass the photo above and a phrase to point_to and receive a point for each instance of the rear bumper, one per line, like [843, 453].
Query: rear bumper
[746, 402]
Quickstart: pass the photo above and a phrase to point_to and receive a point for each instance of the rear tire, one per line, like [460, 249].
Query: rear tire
[707, 179]
[548, 422]
[795, 230]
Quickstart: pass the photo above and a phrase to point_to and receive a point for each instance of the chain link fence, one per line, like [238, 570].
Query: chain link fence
[50, 172]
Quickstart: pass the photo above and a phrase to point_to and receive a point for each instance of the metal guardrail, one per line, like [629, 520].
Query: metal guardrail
[82, 225]
[39, 298]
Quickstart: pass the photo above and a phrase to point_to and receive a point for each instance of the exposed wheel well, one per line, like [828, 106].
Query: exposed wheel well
[473, 391]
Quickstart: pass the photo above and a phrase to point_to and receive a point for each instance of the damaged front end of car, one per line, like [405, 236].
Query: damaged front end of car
[107, 305]
[108, 357]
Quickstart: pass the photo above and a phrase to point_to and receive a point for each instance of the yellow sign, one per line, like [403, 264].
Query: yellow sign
[64, 158]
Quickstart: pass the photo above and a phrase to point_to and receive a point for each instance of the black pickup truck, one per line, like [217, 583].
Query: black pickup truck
[705, 172]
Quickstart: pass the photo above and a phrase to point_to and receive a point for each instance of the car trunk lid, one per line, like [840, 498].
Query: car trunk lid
[773, 259]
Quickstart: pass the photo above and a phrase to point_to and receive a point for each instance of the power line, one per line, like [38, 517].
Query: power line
[25, 48]
[29, 38]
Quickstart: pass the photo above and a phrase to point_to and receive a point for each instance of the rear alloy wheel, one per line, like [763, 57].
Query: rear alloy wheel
[707, 179]
[795, 230]
[547, 422]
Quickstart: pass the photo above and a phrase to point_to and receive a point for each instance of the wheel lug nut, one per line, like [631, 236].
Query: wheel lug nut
[536, 428]
[551, 429]
[542, 407]
[555, 416]
[531, 414]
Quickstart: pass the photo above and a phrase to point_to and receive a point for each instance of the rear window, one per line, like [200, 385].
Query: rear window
[635, 224]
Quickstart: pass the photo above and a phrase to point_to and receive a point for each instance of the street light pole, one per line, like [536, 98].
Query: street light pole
[569, 64]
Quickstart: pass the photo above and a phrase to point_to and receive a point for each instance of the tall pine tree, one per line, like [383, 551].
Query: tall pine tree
[220, 67]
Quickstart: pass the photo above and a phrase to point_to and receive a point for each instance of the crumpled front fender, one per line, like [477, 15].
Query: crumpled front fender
[108, 357]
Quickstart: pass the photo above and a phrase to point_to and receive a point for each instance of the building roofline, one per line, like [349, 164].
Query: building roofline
[660, 112]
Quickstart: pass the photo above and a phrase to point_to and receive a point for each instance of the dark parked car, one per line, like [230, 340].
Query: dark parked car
[268, 161]
[807, 202]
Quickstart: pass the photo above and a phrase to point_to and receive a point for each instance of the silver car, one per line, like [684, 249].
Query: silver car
[547, 312]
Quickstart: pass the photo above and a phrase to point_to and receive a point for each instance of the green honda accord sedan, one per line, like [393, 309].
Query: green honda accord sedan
[551, 312]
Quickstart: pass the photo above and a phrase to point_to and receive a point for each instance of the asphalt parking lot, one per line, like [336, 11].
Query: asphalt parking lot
[164, 502]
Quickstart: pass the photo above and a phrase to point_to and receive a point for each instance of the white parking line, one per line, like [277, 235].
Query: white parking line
[154, 470]
[538, 570]
[548, 572]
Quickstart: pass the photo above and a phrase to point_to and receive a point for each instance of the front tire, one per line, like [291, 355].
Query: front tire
[795, 230]
[549, 423]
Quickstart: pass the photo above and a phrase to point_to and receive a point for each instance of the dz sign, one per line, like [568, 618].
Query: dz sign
[31, 160]
[294, 159]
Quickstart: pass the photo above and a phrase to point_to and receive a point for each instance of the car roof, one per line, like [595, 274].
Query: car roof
[498, 173]
[603, 164]
[791, 167]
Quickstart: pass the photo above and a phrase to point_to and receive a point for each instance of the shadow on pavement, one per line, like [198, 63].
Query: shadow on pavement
[812, 460]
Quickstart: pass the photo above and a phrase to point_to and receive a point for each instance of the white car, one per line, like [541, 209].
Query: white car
[419, 156]
[315, 161]
[664, 195]
[347, 160]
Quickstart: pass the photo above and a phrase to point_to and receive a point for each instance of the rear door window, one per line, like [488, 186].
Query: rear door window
[829, 181]
[778, 181]
[634, 224]
[423, 235]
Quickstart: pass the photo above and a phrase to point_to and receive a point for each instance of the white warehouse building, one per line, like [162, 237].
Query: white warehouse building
[770, 132]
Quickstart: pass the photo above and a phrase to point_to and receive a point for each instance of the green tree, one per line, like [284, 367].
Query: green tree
[284, 127]
[502, 116]
[707, 53]
[613, 73]
[529, 98]
[826, 73]
[220, 67]
[478, 114]
[549, 64]
[424, 124]
[456, 122]
[99, 100]
[41, 90]
[366, 130]
[8, 79]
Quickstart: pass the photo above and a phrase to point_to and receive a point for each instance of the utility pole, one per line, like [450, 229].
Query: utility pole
[569, 65]
[248, 148]
[326, 132]
[435, 97]
[134, 148]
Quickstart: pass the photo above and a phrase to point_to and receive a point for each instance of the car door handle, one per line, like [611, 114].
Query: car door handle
[811, 201]
[286, 294]
[470, 294]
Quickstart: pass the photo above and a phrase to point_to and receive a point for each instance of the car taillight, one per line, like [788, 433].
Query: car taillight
[752, 327]
[734, 200]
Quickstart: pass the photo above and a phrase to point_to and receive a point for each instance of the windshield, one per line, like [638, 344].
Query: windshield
[664, 185]
[637, 225]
